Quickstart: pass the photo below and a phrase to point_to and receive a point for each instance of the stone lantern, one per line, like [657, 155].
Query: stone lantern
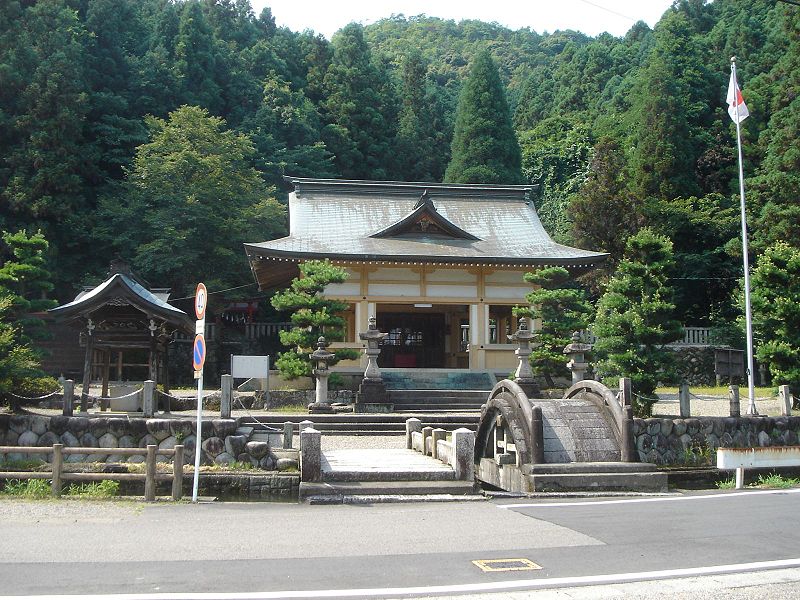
[576, 352]
[320, 359]
[523, 376]
[372, 395]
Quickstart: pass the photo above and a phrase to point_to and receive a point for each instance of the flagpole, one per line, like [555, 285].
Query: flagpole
[748, 313]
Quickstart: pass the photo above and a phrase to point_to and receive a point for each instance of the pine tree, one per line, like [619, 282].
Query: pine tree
[485, 147]
[562, 309]
[25, 280]
[635, 320]
[313, 315]
[775, 301]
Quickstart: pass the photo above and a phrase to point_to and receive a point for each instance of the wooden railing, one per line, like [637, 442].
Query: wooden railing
[58, 475]
[252, 331]
[692, 336]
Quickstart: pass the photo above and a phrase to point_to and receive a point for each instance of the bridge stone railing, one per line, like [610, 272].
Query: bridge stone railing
[457, 452]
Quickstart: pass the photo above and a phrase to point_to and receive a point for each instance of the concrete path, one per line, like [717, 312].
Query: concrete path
[373, 464]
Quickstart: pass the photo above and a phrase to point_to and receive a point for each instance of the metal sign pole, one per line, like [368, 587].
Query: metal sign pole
[198, 437]
[198, 359]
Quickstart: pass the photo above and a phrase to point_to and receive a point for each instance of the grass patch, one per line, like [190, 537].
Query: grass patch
[28, 464]
[94, 489]
[727, 484]
[773, 480]
[28, 488]
[234, 466]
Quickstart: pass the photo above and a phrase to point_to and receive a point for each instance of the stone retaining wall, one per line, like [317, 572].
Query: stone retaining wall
[693, 441]
[220, 443]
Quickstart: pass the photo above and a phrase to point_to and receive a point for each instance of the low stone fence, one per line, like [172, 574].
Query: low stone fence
[223, 442]
[693, 441]
[459, 452]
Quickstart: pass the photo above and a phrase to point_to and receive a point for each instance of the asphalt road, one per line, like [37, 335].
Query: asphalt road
[734, 541]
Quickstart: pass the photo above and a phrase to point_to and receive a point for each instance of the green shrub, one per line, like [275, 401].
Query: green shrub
[95, 489]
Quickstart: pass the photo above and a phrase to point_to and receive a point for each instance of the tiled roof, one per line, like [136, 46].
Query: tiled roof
[338, 219]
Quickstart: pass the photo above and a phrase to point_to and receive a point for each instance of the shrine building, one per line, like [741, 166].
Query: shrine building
[440, 266]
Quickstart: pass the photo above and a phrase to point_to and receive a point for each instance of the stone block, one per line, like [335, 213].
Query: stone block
[286, 464]
[234, 444]
[666, 426]
[222, 428]
[127, 441]
[653, 427]
[310, 455]
[48, 438]
[69, 440]
[213, 446]
[159, 428]
[98, 427]
[59, 424]
[108, 440]
[764, 439]
[27, 438]
[223, 458]
[19, 424]
[678, 427]
[181, 427]
[267, 463]
[168, 443]
[257, 450]
[78, 425]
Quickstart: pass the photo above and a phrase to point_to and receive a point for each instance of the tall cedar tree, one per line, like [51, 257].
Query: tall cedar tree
[562, 309]
[485, 147]
[421, 141]
[604, 213]
[313, 315]
[776, 313]
[635, 320]
[358, 133]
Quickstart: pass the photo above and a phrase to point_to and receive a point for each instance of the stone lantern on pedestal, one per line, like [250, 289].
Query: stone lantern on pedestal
[320, 359]
[372, 395]
[576, 352]
[523, 376]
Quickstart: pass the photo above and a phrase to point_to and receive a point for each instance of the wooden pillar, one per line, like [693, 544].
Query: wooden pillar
[119, 365]
[165, 368]
[153, 367]
[106, 369]
[87, 366]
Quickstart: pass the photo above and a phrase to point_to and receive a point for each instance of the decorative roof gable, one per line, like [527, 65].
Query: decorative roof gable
[424, 219]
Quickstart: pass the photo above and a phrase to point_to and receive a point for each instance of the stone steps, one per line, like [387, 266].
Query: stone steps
[652, 482]
[383, 491]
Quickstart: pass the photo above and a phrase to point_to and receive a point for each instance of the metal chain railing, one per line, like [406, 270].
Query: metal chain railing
[249, 414]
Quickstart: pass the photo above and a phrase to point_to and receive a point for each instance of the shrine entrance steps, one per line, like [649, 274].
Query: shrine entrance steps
[380, 475]
[437, 390]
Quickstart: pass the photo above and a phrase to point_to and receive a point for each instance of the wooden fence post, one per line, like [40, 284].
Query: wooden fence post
[58, 464]
[177, 473]
[150, 474]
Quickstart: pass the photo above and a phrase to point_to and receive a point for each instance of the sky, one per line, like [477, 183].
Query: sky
[591, 17]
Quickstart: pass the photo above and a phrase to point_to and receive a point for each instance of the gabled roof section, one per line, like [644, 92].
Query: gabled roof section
[424, 220]
[383, 221]
[122, 290]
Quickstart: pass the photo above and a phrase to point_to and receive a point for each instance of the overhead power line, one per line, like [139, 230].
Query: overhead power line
[608, 10]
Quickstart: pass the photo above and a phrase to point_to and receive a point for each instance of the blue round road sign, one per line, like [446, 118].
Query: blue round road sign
[199, 352]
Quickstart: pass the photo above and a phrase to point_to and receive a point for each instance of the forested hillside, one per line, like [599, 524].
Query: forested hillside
[161, 129]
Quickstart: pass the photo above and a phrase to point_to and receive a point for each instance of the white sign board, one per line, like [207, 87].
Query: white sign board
[246, 367]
